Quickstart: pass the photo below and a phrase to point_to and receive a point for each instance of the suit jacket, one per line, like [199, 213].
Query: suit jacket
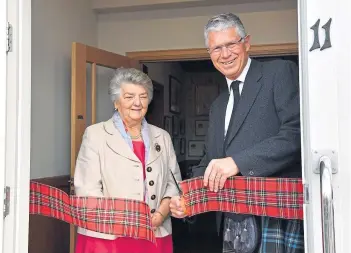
[107, 167]
[264, 137]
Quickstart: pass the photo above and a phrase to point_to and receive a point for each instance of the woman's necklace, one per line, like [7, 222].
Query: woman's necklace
[135, 137]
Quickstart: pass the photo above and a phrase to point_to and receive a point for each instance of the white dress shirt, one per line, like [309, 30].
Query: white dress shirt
[230, 104]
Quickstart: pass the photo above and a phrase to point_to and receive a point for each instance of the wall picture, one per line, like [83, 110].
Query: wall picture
[201, 127]
[174, 94]
[175, 125]
[182, 146]
[182, 126]
[196, 148]
[167, 124]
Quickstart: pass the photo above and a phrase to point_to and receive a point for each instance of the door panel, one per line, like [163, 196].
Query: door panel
[99, 61]
[325, 63]
[104, 106]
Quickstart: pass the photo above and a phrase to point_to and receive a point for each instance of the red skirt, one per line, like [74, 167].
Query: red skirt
[87, 244]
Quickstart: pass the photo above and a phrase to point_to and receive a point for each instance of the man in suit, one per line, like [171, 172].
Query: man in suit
[254, 130]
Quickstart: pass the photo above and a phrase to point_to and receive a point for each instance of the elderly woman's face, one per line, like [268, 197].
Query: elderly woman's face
[133, 102]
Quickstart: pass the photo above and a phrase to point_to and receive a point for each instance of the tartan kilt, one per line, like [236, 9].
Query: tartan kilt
[281, 236]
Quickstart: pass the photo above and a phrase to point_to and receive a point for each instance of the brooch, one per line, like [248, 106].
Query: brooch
[157, 147]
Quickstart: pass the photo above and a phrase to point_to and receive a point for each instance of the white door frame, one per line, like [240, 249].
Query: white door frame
[17, 132]
[3, 71]
[325, 78]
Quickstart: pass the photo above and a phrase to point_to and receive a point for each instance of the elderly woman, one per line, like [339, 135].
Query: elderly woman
[125, 157]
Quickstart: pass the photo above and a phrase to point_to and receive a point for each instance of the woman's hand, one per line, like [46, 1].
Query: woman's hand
[156, 220]
[177, 207]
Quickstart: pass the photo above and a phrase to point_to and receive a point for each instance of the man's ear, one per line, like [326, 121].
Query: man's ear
[247, 42]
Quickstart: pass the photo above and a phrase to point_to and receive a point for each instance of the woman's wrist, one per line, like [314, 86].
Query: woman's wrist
[162, 215]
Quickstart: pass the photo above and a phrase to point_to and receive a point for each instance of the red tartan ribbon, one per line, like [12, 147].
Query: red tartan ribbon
[273, 197]
[121, 217]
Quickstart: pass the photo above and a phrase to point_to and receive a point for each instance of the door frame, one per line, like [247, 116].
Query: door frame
[17, 119]
[3, 80]
[261, 50]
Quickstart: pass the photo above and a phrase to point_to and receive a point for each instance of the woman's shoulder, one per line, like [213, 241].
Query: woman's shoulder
[100, 128]
[157, 131]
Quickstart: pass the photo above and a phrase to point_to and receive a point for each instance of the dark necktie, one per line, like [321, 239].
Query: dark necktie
[235, 87]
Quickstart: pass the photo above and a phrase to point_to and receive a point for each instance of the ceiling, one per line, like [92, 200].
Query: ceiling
[108, 6]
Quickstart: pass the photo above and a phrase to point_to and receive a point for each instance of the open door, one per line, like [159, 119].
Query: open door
[81, 56]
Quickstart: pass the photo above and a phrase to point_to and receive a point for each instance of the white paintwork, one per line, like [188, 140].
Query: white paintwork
[3, 65]
[18, 113]
[325, 92]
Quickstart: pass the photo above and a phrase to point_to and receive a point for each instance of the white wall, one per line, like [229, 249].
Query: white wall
[178, 29]
[55, 25]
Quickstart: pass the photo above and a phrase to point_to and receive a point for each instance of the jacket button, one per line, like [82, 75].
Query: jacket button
[151, 183]
[153, 210]
[153, 197]
[149, 169]
[251, 173]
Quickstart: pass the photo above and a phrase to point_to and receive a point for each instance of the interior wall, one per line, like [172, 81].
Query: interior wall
[158, 30]
[55, 25]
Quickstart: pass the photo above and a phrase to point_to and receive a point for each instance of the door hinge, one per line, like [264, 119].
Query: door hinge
[306, 194]
[6, 201]
[9, 37]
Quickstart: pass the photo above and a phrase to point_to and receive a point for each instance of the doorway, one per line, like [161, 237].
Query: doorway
[155, 110]
[199, 84]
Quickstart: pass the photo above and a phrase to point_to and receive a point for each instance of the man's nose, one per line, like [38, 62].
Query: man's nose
[225, 52]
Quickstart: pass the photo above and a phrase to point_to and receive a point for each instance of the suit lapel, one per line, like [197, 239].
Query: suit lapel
[219, 123]
[248, 96]
[116, 142]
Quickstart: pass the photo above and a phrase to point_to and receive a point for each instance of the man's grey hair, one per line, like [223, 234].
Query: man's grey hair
[222, 22]
[129, 75]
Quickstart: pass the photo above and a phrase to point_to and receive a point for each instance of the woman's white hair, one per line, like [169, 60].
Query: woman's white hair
[129, 75]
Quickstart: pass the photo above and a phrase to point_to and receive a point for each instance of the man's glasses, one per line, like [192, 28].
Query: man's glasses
[231, 46]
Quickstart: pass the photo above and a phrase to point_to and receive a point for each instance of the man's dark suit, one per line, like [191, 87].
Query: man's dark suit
[264, 137]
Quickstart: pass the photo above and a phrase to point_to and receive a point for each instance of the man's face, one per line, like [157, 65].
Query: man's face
[228, 51]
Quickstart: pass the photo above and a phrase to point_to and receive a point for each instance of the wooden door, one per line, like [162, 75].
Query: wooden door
[81, 56]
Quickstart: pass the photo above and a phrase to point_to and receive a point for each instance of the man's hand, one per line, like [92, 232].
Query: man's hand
[217, 172]
[177, 207]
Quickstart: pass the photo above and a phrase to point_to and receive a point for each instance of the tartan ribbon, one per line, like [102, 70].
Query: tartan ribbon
[121, 217]
[273, 197]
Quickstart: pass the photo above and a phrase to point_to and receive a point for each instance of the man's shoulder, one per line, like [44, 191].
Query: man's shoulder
[277, 65]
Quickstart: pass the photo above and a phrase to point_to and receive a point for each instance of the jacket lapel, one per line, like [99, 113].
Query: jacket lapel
[116, 142]
[219, 124]
[248, 96]
[156, 146]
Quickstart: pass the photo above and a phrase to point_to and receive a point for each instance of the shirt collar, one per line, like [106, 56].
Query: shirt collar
[242, 76]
